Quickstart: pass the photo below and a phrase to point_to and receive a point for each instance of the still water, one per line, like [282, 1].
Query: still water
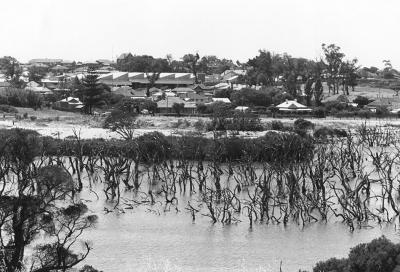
[140, 240]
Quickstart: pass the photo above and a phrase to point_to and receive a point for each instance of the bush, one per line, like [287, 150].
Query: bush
[319, 112]
[324, 132]
[25, 115]
[33, 118]
[276, 125]
[8, 109]
[382, 112]
[200, 125]
[361, 101]
[378, 255]
[364, 114]
[303, 124]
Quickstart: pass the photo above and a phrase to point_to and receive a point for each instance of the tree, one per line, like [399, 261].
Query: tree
[12, 71]
[361, 101]
[153, 71]
[349, 72]
[191, 62]
[178, 108]
[91, 92]
[121, 122]
[33, 100]
[333, 62]
[308, 90]
[38, 201]
[260, 72]
[37, 73]
[318, 91]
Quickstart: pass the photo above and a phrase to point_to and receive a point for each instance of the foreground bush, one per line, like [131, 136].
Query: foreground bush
[380, 255]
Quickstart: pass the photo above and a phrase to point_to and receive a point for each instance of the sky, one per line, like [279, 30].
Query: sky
[86, 30]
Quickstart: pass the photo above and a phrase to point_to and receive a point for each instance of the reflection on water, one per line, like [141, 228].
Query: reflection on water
[138, 240]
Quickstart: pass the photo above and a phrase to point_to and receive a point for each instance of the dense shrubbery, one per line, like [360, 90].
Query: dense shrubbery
[378, 255]
[273, 147]
[303, 124]
[324, 132]
[21, 98]
[8, 109]
[263, 97]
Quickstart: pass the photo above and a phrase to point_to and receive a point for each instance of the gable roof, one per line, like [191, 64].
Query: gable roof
[291, 104]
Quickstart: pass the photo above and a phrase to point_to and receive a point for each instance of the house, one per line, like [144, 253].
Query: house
[198, 98]
[292, 106]
[69, 104]
[59, 69]
[141, 79]
[222, 99]
[51, 83]
[165, 106]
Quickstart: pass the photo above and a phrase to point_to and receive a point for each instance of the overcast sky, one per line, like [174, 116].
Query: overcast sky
[236, 29]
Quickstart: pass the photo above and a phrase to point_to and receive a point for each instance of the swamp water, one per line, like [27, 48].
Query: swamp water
[144, 239]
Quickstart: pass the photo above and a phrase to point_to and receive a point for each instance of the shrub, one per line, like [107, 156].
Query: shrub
[361, 101]
[25, 115]
[33, 118]
[382, 111]
[8, 109]
[319, 112]
[364, 114]
[200, 125]
[378, 255]
[303, 124]
[276, 125]
[324, 132]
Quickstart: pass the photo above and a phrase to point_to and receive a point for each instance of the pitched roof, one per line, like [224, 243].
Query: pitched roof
[291, 105]
[71, 100]
[223, 99]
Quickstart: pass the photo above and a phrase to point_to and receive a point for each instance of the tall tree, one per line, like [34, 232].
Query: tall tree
[318, 92]
[191, 62]
[37, 202]
[37, 73]
[333, 62]
[308, 90]
[12, 70]
[91, 92]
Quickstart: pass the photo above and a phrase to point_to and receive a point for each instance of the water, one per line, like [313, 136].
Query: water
[140, 240]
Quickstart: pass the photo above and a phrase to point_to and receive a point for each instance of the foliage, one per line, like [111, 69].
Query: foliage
[319, 112]
[91, 92]
[8, 109]
[303, 124]
[277, 125]
[378, 255]
[178, 108]
[361, 101]
[38, 200]
[122, 123]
